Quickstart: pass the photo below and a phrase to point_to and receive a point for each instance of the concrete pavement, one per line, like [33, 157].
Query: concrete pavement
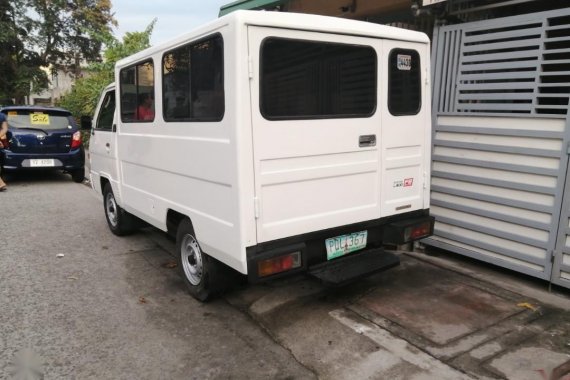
[418, 321]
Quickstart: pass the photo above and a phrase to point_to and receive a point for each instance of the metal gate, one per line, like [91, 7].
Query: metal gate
[561, 270]
[500, 143]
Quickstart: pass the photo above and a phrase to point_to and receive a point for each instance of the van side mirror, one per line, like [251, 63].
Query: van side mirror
[86, 122]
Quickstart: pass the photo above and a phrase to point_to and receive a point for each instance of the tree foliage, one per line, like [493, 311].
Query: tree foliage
[59, 34]
[69, 31]
[20, 65]
[82, 99]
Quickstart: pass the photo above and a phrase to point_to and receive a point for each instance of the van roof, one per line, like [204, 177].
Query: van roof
[286, 20]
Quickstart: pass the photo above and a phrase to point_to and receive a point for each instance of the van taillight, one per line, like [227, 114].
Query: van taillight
[406, 230]
[417, 232]
[76, 140]
[279, 264]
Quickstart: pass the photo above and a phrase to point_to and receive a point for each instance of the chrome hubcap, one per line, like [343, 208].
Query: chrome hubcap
[111, 209]
[191, 259]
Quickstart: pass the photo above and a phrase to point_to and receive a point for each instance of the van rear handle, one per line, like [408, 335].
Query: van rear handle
[367, 140]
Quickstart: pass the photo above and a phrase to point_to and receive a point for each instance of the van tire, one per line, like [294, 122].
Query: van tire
[202, 274]
[120, 222]
[78, 175]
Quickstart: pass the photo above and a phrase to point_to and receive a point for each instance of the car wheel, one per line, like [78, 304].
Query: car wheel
[78, 175]
[202, 274]
[120, 222]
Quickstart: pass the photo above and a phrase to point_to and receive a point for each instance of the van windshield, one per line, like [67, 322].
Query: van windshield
[45, 120]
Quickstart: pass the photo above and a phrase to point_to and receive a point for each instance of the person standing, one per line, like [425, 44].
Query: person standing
[3, 144]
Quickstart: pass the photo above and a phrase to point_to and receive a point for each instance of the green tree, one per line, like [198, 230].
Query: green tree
[59, 34]
[68, 32]
[82, 99]
[20, 66]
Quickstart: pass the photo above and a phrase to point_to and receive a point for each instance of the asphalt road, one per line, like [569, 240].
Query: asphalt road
[110, 308]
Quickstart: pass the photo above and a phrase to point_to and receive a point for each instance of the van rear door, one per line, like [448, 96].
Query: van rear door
[406, 129]
[316, 130]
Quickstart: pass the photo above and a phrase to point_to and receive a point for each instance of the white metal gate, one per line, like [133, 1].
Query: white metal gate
[500, 147]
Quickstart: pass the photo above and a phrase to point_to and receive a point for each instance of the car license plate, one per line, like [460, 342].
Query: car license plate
[43, 162]
[344, 244]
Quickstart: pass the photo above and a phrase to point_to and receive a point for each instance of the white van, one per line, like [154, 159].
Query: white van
[271, 143]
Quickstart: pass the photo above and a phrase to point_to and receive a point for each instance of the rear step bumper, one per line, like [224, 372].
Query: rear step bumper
[353, 267]
[282, 256]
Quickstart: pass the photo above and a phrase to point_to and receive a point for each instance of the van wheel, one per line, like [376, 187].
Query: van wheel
[120, 222]
[201, 273]
[78, 175]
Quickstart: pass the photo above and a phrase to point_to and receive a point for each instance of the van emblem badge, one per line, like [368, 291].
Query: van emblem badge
[408, 182]
[41, 137]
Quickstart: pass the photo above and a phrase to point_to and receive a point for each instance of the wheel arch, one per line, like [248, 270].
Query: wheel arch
[173, 220]
[102, 182]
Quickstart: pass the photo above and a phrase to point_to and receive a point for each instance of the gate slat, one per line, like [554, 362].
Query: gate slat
[503, 45]
[502, 65]
[531, 53]
[490, 36]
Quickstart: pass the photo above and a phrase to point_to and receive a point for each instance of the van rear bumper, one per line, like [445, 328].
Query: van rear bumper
[398, 229]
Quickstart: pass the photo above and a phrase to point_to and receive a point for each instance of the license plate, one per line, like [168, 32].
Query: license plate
[344, 244]
[43, 162]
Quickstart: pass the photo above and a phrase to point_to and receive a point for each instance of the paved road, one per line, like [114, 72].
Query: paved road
[110, 308]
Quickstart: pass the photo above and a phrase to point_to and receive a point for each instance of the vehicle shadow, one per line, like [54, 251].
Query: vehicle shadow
[35, 176]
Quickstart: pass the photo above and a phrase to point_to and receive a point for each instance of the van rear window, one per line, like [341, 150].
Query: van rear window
[314, 80]
[404, 82]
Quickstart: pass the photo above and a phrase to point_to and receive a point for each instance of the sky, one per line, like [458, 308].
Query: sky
[175, 17]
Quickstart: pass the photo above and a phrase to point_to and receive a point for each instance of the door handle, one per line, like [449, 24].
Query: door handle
[366, 140]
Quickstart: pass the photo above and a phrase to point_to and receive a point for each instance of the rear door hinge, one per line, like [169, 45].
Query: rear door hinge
[256, 207]
[425, 180]
[250, 67]
[568, 148]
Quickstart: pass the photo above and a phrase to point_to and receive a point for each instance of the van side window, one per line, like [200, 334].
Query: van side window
[137, 93]
[314, 80]
[404, 82]
[193, 81]
[105, 120]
